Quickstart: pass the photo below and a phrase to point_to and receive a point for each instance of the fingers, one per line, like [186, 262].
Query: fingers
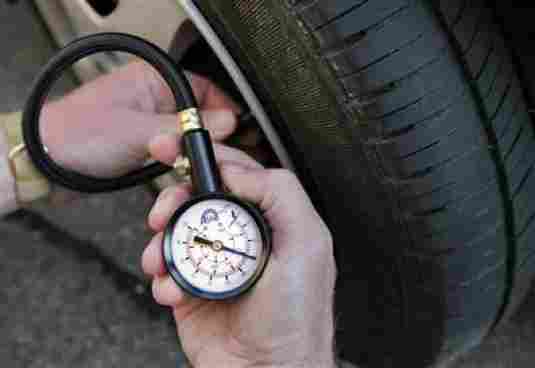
[166, 292]
[278, 193]
[211, 97]
[138, 86]
[207, 94]
[167, 203]
[226, 155]
[149, 92]
[220, 123]
[298, 230]
[152, 260]
[164, 289]
[165, 149]
[171, 198]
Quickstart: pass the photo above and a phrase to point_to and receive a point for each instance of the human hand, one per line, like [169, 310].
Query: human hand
[287, 319]
[103, 128]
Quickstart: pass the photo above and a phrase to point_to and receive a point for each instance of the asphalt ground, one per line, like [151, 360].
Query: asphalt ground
[72, 293]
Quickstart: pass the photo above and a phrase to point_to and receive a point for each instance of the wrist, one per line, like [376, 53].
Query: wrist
[29, 185]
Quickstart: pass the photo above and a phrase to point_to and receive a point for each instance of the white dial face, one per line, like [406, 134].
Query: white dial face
[216, 246]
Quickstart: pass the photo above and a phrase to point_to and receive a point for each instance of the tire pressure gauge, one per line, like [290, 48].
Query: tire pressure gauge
[216, 246]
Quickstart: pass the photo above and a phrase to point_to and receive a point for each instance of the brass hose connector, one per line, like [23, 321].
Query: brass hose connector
[182, 167]
[189, 120]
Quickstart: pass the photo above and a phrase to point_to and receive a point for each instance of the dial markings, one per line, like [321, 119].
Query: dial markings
[220, 253]
[234, 218]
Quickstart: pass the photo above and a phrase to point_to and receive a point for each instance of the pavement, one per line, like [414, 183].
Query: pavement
[72, 293]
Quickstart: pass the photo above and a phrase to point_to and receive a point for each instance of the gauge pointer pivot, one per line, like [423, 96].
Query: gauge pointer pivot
[218, 246]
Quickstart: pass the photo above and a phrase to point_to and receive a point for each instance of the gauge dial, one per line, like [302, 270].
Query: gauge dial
[216, 247]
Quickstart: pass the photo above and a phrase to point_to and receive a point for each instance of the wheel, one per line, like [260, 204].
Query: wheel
[68, 20]
[409, 126]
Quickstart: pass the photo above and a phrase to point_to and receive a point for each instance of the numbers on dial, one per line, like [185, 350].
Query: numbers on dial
[216, 243]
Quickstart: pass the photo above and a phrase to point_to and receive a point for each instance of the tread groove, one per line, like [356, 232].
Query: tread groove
[426, 121]
[410, 104]
[511, 119]
[488, 55]
[525, 178]
[419, 174]
[473, 39]
[365, 67]
[428, 146]
[503, 62]
[460, 14]
[354, 39]
[409, 74]
[503, 97]
[525, 228]
[341, 15]
[508, 89]
[515, 141]
[451, 203]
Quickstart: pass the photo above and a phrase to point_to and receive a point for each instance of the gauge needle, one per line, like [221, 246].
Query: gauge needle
[230, 250]
[202, 241]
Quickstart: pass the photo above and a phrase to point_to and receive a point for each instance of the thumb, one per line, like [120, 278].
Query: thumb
[278, 193]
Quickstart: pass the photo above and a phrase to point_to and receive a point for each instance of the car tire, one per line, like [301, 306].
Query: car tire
[409, 126]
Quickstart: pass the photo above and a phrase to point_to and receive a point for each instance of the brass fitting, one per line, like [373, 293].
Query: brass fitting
[13, 154]
[182, 167]
[189, 119]
[30, 184]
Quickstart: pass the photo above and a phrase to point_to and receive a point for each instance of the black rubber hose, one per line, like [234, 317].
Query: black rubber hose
[66, 57]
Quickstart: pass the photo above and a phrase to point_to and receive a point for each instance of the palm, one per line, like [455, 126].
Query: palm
[224, 328]
[240, 329]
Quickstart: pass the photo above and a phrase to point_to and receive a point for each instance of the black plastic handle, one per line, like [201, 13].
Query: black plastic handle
[205, 176]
